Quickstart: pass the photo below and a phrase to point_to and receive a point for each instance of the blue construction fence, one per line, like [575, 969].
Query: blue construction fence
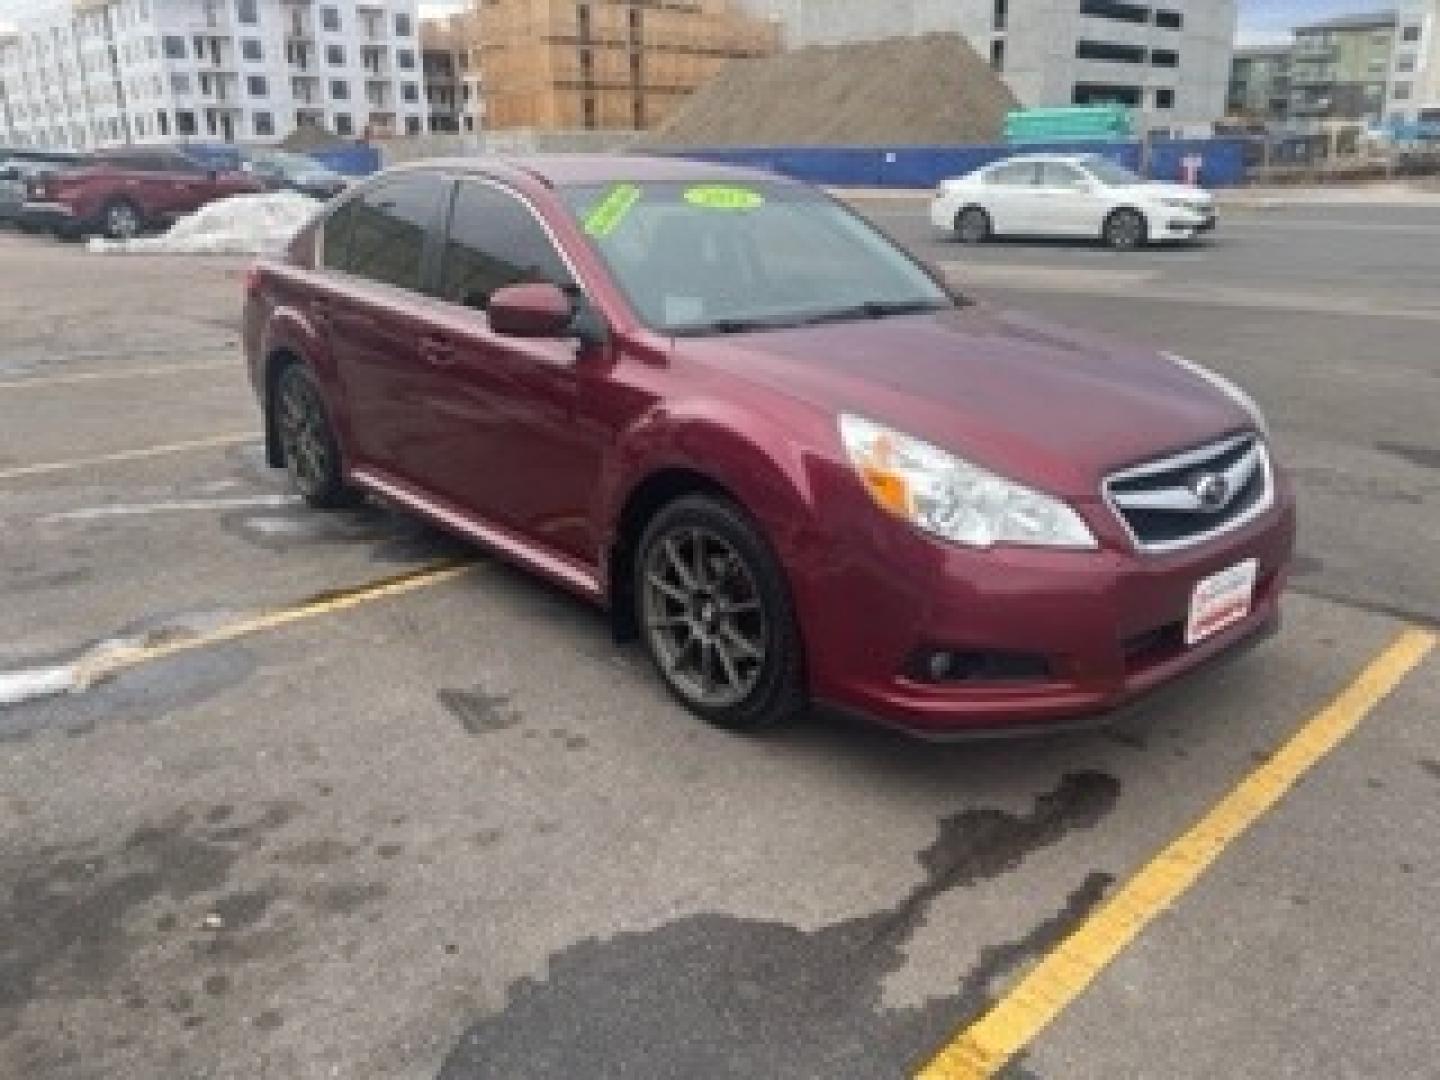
[1217, 162]
[357, 159]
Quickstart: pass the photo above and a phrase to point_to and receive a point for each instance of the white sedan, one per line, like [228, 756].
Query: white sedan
[1082, 195]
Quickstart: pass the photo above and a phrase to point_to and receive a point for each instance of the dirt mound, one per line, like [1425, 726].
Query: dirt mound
[309, 137]
[897, 92]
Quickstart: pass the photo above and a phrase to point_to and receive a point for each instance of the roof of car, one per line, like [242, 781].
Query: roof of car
[565, 170]
[1072, 158]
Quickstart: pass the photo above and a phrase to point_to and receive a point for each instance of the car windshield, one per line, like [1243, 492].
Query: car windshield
[700, 259]
[1110, 174]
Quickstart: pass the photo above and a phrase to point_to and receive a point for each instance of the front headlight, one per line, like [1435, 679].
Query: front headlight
[1228, 388]
[953, 499]
[1182, 204]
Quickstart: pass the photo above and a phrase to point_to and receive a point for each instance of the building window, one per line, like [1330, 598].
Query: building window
[1402, 91]
[264, 124]
[1169, 20]
[1410, 33]
[1001, 17]
[1405, 64]
[162, 120]
[997, 54]
[335, 55]
[1087, 93]
[343, 124]
[1165, 58]
[1112, 51]
[405, 59]
[246, 13]
[402, 24]
[174, 47]
[330, 18]
[1116, 11]
[257, 86]
[410, 92]
[412, 125]
[1164, 97]
[339, 90]
[251, 49]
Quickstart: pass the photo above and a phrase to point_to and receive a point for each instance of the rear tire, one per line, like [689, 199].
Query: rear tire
[1126, 230]
[716, 617]
[973, 226]
[121, 219]
[307, 441]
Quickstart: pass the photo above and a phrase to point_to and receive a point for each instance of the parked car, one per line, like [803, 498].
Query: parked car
[121, 192]
[1077, 196]
[280, 170]
[18, 169]
[773, 445]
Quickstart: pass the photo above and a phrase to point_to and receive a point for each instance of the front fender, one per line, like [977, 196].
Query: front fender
[288, 334]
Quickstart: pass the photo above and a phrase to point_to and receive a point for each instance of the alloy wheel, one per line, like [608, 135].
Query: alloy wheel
[704, 617]
[1126, 230]
[304, 436]
[122, 222]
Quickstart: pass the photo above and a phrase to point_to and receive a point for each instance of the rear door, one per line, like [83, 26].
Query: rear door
[1011, 196]
[515, 439]
[378, 250]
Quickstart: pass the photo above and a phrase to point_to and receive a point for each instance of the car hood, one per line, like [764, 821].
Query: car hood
[1010, 392]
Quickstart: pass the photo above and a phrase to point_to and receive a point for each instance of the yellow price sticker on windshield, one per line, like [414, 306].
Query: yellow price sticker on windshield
[718, 197]
[605, 217]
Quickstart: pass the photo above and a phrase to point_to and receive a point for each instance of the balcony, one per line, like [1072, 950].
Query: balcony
[1315, 50]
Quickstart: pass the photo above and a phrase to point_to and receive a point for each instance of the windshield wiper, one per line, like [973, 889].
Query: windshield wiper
[730, 326]
[876, 309]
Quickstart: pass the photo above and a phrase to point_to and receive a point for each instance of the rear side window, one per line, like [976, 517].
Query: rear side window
[380, 234]
[1058, 175]
[1018, 174]
[494, 241]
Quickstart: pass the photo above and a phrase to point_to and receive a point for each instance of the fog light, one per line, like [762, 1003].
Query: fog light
[939, 666]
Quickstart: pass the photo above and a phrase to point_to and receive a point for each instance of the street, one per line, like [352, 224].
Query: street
[326, 795]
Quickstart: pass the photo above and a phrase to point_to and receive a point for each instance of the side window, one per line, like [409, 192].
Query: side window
[380, 234]
[1056, 175]
[494, 241]
[1018, 174]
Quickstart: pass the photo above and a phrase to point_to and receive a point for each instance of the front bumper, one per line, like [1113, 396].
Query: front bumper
[1184, 225]
[46, 215]
[1107, 625]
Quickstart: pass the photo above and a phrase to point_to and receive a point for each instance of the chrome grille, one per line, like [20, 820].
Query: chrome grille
[1189, 497]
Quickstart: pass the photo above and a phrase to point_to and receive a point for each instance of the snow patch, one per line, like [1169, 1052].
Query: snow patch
[239, 225]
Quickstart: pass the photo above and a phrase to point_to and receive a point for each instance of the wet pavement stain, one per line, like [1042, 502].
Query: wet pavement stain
[392, 537]
[1306, 565]
[1427, 457]
[718, 996]
[1431, 766]
[479, 713]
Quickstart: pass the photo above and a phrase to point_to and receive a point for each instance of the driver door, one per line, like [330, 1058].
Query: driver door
[1071, 205]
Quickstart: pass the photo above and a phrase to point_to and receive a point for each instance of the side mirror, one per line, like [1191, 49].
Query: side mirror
[533, 311]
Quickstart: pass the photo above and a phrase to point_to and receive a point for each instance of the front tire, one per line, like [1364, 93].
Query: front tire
[716, 616]
[307, 442]
[973, 226]
[1126, 230]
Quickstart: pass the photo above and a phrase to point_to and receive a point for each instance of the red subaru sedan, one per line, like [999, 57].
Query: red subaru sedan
[772, 444]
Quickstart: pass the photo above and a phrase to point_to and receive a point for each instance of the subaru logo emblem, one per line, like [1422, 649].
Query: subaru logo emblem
[1211, 491]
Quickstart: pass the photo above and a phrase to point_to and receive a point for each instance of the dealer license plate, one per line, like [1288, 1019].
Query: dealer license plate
[1221, 600]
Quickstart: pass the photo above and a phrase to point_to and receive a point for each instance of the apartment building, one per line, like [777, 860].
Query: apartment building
[1170, 59]
[97, 73]
[450, 58]
[605, 64]
[1414, 91]
[1259, 85]
[1341, 67]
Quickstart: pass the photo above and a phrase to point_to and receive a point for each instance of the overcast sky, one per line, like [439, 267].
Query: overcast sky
[1255, 15]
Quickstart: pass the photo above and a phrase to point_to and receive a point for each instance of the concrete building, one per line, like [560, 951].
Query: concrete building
[605, 64]
[1170, 58]
[1259, 85]
[1341, 68]
[1414, 91]
[96, 73]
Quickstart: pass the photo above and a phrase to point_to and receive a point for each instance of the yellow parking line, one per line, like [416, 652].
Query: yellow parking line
[104, 664]
[108, 376]
[984, 1047]
[127, 455]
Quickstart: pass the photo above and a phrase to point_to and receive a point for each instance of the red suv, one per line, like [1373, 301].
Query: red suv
[728, 409]
[121, 192]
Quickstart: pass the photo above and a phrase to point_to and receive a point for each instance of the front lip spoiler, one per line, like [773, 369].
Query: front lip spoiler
[1090, 722]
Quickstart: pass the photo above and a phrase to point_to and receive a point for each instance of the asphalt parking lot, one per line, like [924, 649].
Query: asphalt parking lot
[334, 795]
